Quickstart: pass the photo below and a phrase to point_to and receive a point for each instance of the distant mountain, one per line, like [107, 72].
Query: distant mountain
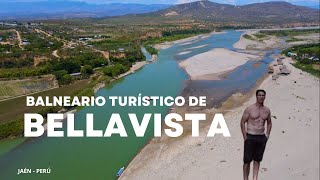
[307, 3]
[70, 9]
[268, 12]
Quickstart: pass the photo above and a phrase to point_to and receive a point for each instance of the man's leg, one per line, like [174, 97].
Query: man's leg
[256, 166]
[258, 155]
[247, 156]
[246, 171]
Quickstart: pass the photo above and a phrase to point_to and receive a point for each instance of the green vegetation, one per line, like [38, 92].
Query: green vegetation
[6, 35]
[11, 129]
[19, 87]
[16, 63]
[86, 70]
[114, 44]
[247, 36]
[290, 32]
[308, 68]
[114, 71]
[168, 38]
[40, 44]
[11, 111]
[116, 48]
[22, 72]
[260, 36]
[293, 39]
[151, 50]
[307, 57]
[185, 32]
[173, 35]
[304, 51]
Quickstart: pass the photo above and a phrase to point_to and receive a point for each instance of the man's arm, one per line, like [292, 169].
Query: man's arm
[269, 125]
[244, 120]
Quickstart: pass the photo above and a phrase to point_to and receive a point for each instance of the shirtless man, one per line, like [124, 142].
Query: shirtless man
[253, 131]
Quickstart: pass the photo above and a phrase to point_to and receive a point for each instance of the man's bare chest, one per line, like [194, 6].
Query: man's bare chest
[259, 114]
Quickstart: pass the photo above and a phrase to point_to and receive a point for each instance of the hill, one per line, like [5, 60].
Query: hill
[70, 9]
[273, 12]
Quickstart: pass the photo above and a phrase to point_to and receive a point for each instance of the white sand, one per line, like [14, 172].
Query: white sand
[268, 43]
[292, 151]
[197, 47]
[184, 52]
[306, 39]
[271, 42]
[184, 41]
[215, 61]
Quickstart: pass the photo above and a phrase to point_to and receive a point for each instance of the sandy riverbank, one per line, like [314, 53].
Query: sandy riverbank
[270, 42]
[208, 65]
[185, 41]
[273, 42]
[292, 151]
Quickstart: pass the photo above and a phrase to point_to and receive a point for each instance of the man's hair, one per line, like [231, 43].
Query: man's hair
[260, 90]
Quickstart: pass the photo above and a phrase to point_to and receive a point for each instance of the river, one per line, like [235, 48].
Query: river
[101, 158]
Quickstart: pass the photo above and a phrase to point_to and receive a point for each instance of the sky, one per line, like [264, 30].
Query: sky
[233, 2]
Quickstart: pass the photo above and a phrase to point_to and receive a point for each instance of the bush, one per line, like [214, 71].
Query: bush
[60, 74]
[151, 50]
[86, 70]
[66, 79]
[13, 128]
[115, 70]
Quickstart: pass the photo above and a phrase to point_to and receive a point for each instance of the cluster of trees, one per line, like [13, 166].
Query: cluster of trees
[90, 58]
[16, 63]
[151, 50]
[39, 44]
[7, 50]
[6, 35]
[113, 44]
[63, 77]
[247, 36]
[13, 128]
[185, 31]
[305, 57]
[290, 32]
[22, 72]
[114, 71]
[87, 60]
[86, 70]
[11, 56]
[122, 65]
[304, 52]
[63, 68]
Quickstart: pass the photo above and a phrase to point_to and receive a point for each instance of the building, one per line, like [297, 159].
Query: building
[75, 74]
[292, 54]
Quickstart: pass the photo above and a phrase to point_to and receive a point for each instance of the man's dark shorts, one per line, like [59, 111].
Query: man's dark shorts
[254, 147]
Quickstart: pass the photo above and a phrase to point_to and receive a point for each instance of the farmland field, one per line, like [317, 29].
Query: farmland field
[14, 88]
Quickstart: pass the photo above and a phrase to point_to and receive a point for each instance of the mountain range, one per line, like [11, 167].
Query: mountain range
[273, 12]
[70, 9]
[59, 9]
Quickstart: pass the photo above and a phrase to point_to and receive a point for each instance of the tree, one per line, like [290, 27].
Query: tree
[66, 79]
[60, 74]
[86, 70]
